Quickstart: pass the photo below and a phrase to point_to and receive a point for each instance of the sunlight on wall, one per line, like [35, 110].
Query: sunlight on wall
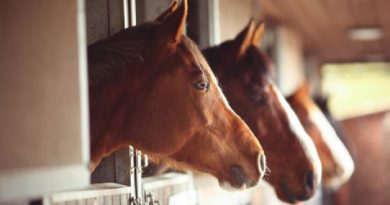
[356, 89]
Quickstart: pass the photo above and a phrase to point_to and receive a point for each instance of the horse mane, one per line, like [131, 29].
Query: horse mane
[122, 52]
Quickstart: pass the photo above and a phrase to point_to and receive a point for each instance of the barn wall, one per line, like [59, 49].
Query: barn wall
[43, 120]
[104, 18]
[289, 60]
[233, 17]
[313, 74]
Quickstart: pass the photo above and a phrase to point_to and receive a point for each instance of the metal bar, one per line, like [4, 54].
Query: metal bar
[138, 174]
[133, 13]
[146, 161]
[214, 26]
[132, 172]
[126, 13]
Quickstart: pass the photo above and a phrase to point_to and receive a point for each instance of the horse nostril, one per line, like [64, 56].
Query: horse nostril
[262, 163]
[309, 181]
[238, 175]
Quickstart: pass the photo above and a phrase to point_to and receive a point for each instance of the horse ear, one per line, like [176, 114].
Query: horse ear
[258, 33]
[244, 38]
[172, 27]
[168, 12]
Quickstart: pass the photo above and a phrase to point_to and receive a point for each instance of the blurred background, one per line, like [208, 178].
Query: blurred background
[341, 48]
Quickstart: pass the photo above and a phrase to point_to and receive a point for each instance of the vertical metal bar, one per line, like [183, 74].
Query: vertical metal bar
[129, 13]
[138, 174]
[146, 161]
[83, 79]
[132, 172]
[133, 10]
[126, 13]
[214, 26]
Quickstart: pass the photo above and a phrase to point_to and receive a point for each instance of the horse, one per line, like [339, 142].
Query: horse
[246, 77]
[150, 87]
[337, 163]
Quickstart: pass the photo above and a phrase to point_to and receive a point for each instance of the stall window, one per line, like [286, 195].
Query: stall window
[357, 89]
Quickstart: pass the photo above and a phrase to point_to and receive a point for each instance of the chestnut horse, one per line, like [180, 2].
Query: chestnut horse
[337, 163]
[150, 87]
[245, 74]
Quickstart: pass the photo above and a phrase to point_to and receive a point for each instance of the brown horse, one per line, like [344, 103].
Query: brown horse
[245, 74]
[151, 87]
[337, 163]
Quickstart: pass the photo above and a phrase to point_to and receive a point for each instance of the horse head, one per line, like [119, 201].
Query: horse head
[337, 163]
[152, 88]
[246, 76]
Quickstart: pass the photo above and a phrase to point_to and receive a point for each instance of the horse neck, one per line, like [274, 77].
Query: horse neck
[114, 95]
[110, 103]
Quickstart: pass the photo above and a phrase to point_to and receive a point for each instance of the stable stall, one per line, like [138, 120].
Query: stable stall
[44, 120]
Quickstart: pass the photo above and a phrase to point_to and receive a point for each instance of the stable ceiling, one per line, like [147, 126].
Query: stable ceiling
[323, 26]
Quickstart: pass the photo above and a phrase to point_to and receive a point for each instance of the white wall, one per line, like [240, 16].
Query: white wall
[289, 60]
[44, 142]
[234, 16]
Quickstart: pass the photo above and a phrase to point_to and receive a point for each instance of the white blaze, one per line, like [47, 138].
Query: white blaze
[338, 150]
[306, 142]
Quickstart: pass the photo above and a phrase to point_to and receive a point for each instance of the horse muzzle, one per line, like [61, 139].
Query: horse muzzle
[239, 180]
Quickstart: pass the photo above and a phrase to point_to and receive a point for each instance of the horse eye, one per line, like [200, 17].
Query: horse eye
[202, 85]
[258, 97]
